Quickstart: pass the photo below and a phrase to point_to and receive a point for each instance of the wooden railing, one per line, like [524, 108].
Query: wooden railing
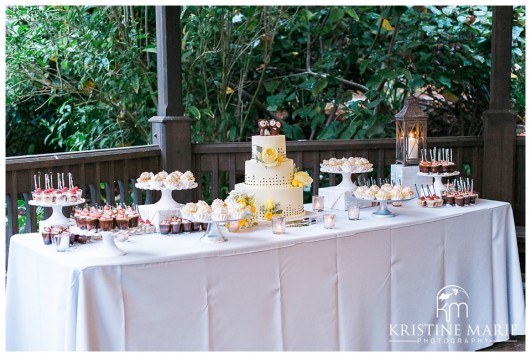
[109, 175]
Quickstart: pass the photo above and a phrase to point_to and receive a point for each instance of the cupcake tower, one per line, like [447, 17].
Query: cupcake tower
[346, 167]
[386, 191]
[439, 161]
[164, 181]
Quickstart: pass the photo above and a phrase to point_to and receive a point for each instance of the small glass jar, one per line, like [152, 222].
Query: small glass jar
[329, 221]
[354, 212]
[278, 224]
[318, 203]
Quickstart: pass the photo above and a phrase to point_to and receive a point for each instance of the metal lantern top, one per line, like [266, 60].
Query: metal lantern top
[411, 109]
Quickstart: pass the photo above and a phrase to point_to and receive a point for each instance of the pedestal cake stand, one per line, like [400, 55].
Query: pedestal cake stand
[383, 211]
[57, 218]
[346, 183]
[213, 234]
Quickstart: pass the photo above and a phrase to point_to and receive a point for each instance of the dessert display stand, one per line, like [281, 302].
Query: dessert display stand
[165, 206]
[341, 196]
[438, 185]
[383, 211]
[57, 219]
[213, 234]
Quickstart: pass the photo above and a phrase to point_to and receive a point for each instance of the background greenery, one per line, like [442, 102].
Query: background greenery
[84, 77]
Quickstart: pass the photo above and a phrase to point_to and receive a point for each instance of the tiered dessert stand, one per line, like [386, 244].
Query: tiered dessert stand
[438, 185]
[383, 211]
[57, 218]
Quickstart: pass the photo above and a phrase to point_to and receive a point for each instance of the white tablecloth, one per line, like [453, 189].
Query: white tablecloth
[372, 284]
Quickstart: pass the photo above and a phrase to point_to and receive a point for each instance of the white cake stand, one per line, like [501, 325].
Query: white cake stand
[213, 234]
[438, 185]
[57, 218]
[346, 183]
[383, 211]
[166, 200]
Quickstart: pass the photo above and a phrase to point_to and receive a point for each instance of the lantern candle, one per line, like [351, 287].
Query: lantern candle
[318, 203]
[329, 221]
[413, 147]
[278, 224]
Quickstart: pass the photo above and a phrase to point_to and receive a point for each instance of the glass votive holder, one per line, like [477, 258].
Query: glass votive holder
[233, 226]
[278, 224]
[354, 212]
[318, 203]
[61, 241]
[329, 221]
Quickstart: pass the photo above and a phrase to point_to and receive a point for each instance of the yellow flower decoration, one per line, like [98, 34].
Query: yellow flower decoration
[268, 215]
[242, 222]
[253, 209]
[269, 155]
[301, 179]
[270, 204]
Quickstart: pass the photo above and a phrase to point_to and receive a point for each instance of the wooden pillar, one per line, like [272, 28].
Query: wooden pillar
[170, 129]
[499, 132]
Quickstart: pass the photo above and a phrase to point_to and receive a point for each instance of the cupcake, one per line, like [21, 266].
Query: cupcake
[219, 213]
[381, 195]
[189, 210]
[144, 180]
[173, 180]
[157, 181]
[188, 180]
[203, 213]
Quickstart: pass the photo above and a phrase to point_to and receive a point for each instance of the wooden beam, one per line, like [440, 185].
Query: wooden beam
[499, 132]
[170, 130]
[169, 75]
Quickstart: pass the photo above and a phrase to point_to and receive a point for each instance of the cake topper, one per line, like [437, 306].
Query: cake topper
[274, 126]
[263, 125]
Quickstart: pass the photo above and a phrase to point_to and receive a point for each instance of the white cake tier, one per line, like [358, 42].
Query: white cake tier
[289, 198]
[277, 142]
[260, 176]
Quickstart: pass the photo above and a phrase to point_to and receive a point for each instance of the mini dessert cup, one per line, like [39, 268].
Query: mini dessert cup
[106, 223]
[164, 227]
[430, 202]
[473, 198]
[187, 226]
[80, 221]
[204, 226]
[122, 222]
[176, 227]
[196, 226]
[459, 200]
[36, 196]
[466, 198]
[449, 198]
[435, 168]
[133, 220]
[425, 168]
[46, 236]
[91, 223]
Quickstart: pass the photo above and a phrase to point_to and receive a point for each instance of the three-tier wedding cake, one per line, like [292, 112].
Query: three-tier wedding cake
[271, 177]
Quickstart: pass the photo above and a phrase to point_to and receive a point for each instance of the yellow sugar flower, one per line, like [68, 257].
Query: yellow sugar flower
[268, 215]
[269, 155]
[253, 209]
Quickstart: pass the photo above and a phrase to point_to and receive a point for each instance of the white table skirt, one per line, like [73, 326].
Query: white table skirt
[371, 284]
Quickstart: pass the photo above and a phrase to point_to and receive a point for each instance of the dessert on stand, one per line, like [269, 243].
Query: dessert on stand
[340, 197]
[56, 198]
[440, 165]
[166, 184]
[384, 194]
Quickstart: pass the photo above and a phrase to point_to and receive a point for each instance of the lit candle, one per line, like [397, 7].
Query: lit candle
[354, 212]
[318, 203]
[278, 224]
[412, 146]
[329, 221]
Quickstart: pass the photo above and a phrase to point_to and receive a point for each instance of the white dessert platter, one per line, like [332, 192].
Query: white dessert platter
[57, 218]
[383, 211]
[346, 182]
[213, 234]
[438, 185]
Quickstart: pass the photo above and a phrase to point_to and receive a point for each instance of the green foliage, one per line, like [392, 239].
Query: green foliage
[78, 77]
[83, 77]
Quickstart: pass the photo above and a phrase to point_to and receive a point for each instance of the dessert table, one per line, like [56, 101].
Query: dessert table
[372, 285]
